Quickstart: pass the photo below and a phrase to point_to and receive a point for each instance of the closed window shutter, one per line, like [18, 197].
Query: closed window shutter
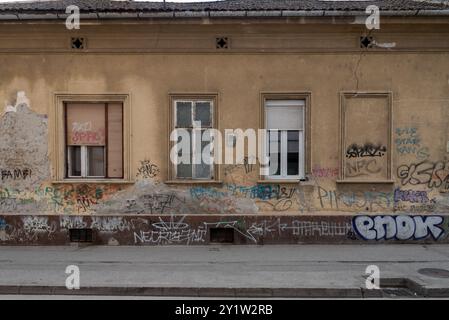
[285, 114]
[86, 124]
[115, 140]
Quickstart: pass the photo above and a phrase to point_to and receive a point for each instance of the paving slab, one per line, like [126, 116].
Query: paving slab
[232, 271]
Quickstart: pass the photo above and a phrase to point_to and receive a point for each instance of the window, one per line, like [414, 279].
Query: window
[285, 138]
[94, 140]
[194, 116]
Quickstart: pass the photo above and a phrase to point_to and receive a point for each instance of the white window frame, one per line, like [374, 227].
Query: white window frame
[283, 146]
[193, 137]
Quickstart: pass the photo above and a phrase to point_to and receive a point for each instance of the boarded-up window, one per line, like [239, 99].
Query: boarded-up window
[366, 137]
[94, 140]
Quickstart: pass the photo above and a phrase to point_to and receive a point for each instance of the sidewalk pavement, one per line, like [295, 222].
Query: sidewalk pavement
[328, 271]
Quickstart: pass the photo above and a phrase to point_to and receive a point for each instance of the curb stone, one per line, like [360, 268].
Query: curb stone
[348, 293]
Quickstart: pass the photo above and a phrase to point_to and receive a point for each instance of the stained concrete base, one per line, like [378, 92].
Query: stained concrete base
[226, 271]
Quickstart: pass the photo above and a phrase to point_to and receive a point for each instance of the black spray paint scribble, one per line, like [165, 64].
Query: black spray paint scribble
[147, 170]
[366, 150]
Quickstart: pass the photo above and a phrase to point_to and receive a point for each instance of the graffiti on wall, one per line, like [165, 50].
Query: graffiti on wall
[77, 199]
[147, 170]
[401, 227]
[354, 200]
[150, 197]
[189, 230]
[408, 142]
[320, 172]
[367, 150]
[363, 167]
[428, 173]
[171, 232]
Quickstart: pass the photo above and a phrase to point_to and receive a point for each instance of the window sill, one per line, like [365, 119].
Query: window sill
[183, 182]
[365, 181]
[90, 181]
[280, 181]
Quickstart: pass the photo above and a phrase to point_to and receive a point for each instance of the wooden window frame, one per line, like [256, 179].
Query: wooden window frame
[197, 97]
[301, 95]
[59, 155]
[344, 96]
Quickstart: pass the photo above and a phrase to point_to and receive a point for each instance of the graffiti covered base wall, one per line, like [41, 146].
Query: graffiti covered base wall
[245, 229]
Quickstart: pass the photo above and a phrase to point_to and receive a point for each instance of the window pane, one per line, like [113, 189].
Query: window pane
[86, 124]
[74, 159]
[203, 170]
[203, 113]
[95, 161]
[183, 114]
[115, 140]
[274, 141]
[293, 153]
[184, 171]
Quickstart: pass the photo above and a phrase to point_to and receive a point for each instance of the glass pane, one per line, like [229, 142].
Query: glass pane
[292, 153]
[183, 114]
[184, 171]
[203, 170]
[274, 144]
[95, 161]
[203, 113]
[74, 159]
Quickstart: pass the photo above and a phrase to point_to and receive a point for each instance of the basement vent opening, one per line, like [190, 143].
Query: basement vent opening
[81, 235]
[78, 43]
[366, 42]
[222, 43]
[222, 235]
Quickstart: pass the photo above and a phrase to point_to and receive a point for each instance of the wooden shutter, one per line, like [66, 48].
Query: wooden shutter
[115, 140]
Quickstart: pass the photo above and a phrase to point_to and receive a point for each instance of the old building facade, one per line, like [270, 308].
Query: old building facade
[359, 119]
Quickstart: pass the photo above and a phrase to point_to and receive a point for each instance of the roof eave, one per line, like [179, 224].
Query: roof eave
[217, 14]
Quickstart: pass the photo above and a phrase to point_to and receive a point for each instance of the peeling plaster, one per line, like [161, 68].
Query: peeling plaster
[23, 146]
